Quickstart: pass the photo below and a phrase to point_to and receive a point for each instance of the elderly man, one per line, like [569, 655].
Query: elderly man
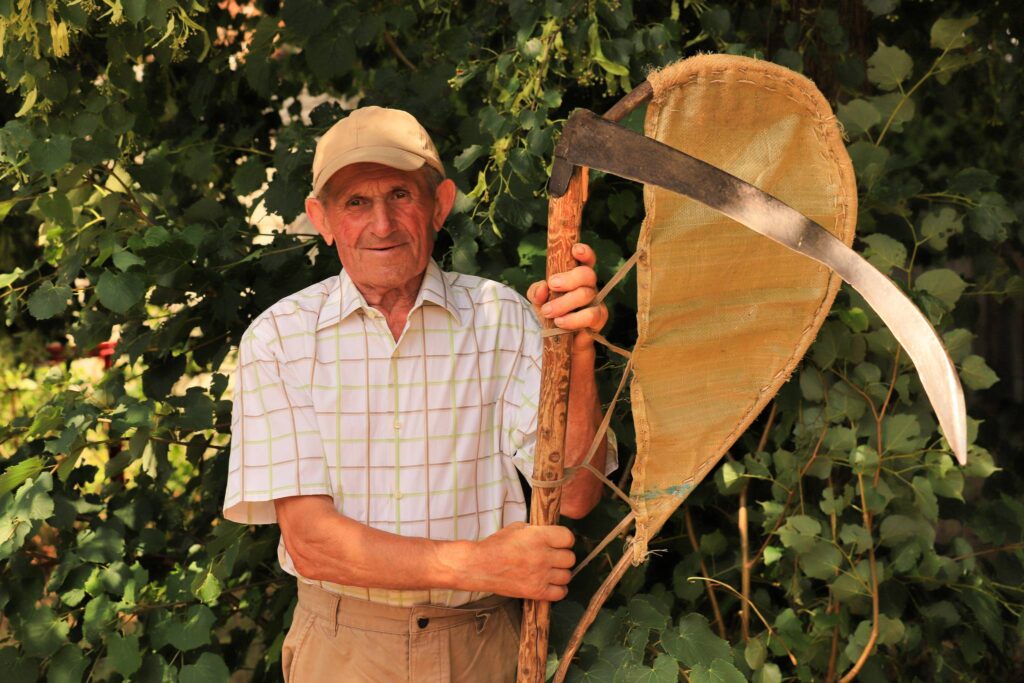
[380, 416]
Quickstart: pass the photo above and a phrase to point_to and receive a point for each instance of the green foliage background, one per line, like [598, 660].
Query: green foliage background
[133, 128]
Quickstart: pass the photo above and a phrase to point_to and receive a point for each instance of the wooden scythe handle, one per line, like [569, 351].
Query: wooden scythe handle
[564, 215]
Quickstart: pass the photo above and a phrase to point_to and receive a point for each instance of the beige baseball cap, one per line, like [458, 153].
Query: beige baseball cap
[374, 134]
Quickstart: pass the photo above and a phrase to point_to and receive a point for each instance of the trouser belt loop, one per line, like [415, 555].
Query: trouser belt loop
[322, 603]
[337, 614]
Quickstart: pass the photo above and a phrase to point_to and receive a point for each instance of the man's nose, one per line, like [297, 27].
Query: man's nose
[380, 219]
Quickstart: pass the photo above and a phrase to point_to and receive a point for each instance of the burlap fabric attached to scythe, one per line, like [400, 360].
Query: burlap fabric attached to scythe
[724, 314]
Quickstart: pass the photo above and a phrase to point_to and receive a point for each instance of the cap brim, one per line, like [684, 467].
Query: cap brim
[388, 156]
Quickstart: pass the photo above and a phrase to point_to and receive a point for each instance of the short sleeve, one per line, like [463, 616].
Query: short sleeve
[276, 449]
[520, 402]
[520, 399]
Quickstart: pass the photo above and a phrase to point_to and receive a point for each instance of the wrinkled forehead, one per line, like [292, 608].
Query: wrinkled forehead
[371, 178]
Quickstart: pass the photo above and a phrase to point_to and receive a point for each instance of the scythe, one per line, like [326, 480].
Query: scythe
[782, 174]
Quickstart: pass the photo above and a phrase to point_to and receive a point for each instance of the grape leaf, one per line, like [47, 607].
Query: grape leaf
[330, 54]
[124, 654]
[120, 291]
[718, 671]
[209, 668]
[949, 34]
[48, 300]
[889, 66]
[694, 643]
[943, 284]
[49, 155]
[976, 373]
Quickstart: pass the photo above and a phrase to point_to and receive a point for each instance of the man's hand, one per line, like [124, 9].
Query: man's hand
[574, 310]
[578, 287]
[524, 561]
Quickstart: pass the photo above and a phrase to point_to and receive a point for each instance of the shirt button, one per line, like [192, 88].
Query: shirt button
[422, 622]
[397, 425]
[398, 495]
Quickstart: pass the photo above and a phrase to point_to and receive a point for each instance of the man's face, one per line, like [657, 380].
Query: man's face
[383, 221]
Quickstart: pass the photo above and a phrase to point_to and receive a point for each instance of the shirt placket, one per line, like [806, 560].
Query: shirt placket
[396, 425]
[396, 403]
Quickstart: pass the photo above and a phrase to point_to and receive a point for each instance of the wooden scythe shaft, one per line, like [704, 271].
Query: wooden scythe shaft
[564, 215]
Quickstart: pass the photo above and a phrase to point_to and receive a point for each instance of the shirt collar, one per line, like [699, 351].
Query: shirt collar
[345, 298]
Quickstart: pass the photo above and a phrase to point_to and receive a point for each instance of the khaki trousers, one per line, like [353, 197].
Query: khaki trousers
[334, 638]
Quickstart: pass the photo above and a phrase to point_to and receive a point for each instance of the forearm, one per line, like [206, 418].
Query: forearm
[327, 546]
[583, 491]
[518, 560]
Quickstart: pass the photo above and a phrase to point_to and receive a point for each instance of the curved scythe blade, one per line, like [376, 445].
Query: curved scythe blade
[589, 140]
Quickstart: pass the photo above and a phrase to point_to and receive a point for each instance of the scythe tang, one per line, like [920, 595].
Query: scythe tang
[589, 140]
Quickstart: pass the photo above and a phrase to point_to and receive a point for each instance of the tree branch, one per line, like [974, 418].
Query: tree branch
[873, 638]
[742, 522]
[390, 40]
[789, 498]
[704, 572]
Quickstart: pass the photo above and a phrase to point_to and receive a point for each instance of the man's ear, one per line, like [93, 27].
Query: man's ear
[444, 199]
[318, 217]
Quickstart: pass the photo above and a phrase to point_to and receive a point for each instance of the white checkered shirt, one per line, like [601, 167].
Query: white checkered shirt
[419, 437]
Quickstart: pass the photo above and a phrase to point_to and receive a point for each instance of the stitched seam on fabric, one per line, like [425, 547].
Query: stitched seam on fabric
[828, 138]
[303, 636]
